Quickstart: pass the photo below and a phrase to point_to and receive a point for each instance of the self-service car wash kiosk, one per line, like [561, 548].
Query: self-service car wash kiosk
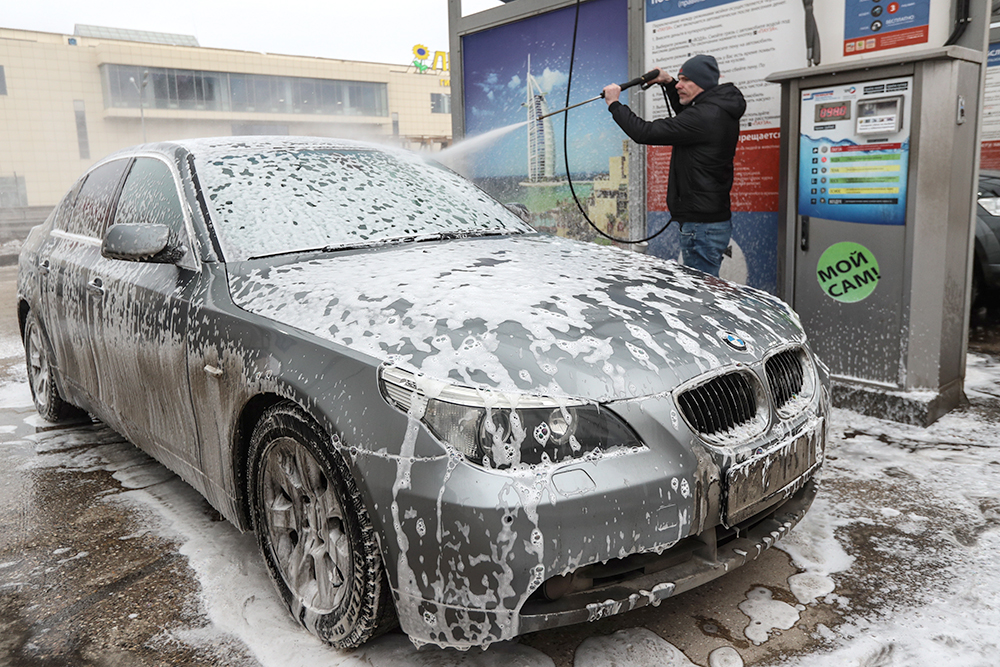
[879, 160]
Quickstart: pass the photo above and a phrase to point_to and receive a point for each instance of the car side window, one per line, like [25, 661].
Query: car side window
[150, 197]
[95, 199]
[64, 212]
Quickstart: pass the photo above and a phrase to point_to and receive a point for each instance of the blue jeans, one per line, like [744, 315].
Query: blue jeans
[702, 244]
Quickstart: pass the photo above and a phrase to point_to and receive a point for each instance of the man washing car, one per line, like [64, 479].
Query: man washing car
[704, 135]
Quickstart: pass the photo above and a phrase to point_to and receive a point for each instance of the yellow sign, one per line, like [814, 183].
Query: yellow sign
[854, 170]
[864, 191]
[422, 53]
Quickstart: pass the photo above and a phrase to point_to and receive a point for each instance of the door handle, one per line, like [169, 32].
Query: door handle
[804, 237]
[96, 286]
[43, 267]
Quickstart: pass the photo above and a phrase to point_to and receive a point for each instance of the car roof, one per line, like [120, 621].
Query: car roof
[250, 143]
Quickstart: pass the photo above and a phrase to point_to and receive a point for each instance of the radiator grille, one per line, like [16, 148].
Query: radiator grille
[792, 381]
[720, 405]
[785, 377]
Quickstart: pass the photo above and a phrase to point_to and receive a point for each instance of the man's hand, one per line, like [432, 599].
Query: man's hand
[611, 93]
[663, 78]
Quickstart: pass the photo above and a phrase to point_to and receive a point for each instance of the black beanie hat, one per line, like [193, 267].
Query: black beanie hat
[703, 70]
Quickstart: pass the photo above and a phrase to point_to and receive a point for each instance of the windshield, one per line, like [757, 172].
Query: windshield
[267, 200]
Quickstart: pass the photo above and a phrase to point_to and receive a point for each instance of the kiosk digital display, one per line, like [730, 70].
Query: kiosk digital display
[854, 152]
[833, 111]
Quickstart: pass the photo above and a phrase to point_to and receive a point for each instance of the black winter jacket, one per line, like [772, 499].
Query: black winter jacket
[704, 135]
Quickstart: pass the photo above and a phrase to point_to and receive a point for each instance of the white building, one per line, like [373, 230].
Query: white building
[66, 101]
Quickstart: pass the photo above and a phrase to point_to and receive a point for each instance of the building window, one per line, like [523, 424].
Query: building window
[259, 129]
[257, 93]
[3, 82]
[81, 129]
[440, 103]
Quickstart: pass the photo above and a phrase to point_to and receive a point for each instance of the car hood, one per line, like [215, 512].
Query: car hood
[532, 314]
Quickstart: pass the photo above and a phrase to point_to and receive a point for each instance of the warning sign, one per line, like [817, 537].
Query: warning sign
[847, 272]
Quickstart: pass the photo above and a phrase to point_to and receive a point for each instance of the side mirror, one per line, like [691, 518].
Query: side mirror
[520, 210]
[140, 243]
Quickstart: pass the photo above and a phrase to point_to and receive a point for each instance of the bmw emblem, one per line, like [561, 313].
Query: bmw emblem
[734, 341]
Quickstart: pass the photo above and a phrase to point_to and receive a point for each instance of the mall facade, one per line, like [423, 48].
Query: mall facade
[66, 101]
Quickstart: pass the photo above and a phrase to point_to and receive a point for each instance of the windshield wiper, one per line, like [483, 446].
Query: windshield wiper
[305, 251]
[437, 236]
[465, 234]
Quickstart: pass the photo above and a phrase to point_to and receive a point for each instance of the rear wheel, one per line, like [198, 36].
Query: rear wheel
[314, 532]
[41, 379]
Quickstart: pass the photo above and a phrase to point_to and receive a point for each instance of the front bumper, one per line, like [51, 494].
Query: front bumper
[653, 579]
[704, 558]
[476, 556]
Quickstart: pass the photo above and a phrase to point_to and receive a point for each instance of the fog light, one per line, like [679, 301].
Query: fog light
[556, 587]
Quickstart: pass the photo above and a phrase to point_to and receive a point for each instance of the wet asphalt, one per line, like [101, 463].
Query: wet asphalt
[85, 581]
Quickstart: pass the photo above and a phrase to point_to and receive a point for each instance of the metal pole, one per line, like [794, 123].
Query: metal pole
[142, 107]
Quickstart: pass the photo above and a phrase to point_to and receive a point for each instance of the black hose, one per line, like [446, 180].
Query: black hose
[569, 178]
[812, 35]
[962, 20]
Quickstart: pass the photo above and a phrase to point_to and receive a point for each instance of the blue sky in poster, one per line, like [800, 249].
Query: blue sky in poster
[495, 65]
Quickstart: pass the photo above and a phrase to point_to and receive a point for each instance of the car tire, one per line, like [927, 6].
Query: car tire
[314, 532]
[41, 378]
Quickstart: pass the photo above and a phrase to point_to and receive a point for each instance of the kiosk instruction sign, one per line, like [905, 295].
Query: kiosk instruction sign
[854, 152]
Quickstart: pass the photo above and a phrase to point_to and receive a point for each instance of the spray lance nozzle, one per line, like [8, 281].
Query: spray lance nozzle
[644, 80]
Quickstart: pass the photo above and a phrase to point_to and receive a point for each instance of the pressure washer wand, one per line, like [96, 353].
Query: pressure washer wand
[644, 79]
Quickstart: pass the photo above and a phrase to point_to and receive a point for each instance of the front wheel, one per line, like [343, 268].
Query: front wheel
[314, 531]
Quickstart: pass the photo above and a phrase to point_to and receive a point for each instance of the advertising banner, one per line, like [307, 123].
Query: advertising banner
[517, 72]
[750, 39]
[989, 157]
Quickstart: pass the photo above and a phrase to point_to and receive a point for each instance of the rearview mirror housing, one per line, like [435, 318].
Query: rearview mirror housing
[140, 243]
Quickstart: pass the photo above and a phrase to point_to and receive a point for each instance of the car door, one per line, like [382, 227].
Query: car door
[140, 332]
[69, 289]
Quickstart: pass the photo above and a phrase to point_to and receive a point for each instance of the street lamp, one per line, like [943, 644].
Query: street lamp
[142, 109]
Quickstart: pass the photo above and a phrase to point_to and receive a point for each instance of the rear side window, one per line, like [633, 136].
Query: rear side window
[149, 196]
[95, 199]
[64, 213]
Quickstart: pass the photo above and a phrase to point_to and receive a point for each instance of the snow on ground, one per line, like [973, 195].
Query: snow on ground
[15, 395]
[11, 347]
[909, 516]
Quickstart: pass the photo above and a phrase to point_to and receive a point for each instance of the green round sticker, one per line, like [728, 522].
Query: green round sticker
[847, 272]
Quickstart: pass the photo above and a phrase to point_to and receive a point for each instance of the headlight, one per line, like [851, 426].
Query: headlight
[498, 430]
[991, 204]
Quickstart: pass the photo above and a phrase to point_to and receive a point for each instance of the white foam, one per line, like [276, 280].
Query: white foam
[632, 647]
[725, 656]
[766, 614]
